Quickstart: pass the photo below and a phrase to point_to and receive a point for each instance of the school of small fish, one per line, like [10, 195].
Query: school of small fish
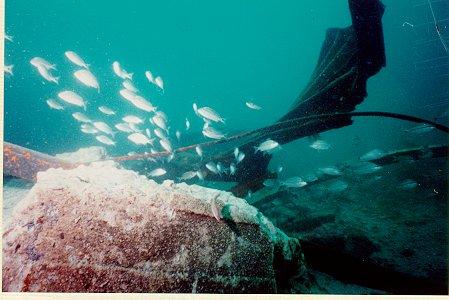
[145, 119]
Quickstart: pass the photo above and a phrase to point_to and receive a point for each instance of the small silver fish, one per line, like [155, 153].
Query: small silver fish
[294, 182]
[236, 152]
[210, 114]
[81, 117]
[139, 138]
[199, 151]
[103, 127]
[76, 59]
[212, 167]
[159, 133]
[240, 157]
[366, 168]
[188, 175]
[106, 110]
[178, 134]
[213, 133]
[268, 146]
[87, 78]
[166, 145]
[88, 128]
[124, 127]
[330, 171]
[105, 140]
[55, 105]
[215, 211]
[253, 106]
[200, 174]
[127, 84]
[320, 145]
[232, 169]
[372, 155]
[157, 172]
[72, 98]
[408, 184]
[132, 119]
[187, 124]
[337, 186]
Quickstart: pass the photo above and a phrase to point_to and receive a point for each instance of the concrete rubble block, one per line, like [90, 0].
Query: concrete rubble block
[99, 228]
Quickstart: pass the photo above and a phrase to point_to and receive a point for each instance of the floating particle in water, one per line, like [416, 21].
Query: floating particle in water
[407, 24]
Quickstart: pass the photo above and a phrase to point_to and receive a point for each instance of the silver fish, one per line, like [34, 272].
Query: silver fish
[132, 119]
[240, 157]
[159, 133]
[213, 133]
[103, 127]
[210, 114]
[157, 172]
[294, 182]
[199, 151]
[320, 145]
[76, 59]
[268, 146]
[232, 169]
[188, 175]
[253, 106]
[87, 78]
[408, 184]
[330, 171]
[187, 124]
[373, 154]
[166, 145]
[106, 110]
[337, 186]
[81, 117]
[105, 140]
[124, 127]
[139, 138]
[127, 84]
[72, 98]
[212, 167]
[55, 105]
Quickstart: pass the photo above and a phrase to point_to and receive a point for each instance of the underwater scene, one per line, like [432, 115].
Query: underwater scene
[240, 146]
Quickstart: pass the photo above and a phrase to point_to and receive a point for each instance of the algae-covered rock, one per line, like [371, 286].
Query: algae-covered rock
[99, 228]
